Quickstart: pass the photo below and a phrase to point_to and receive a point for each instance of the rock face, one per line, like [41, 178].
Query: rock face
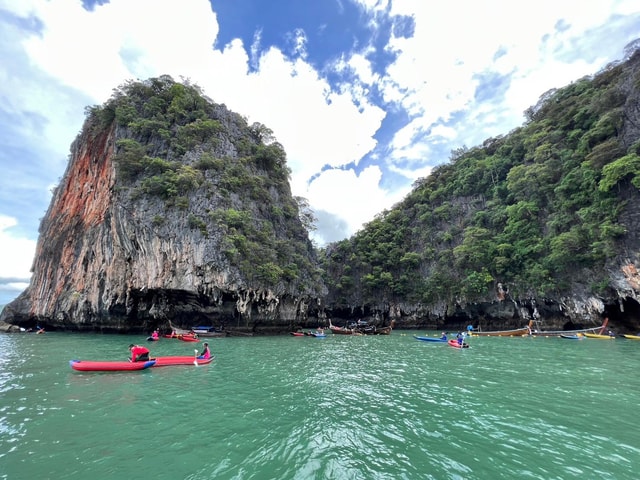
[173, 209]
[542, 224]
[147, 228]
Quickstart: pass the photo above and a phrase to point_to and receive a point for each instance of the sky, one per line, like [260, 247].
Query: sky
[366, 96]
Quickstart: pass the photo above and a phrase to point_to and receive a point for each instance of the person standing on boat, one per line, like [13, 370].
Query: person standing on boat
[206, 353]
[139, 353]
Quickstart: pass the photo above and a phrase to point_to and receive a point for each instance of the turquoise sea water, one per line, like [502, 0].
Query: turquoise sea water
[375, 407]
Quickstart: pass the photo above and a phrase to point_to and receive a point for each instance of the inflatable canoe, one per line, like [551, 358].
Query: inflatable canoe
[188, 338]
[184, 360]
[454, 343]
[106, 366]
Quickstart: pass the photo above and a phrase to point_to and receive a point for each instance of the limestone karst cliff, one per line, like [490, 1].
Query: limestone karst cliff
[542, 224]
[171, 208]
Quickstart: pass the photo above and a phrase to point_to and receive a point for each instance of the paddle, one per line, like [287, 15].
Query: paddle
[195, 358]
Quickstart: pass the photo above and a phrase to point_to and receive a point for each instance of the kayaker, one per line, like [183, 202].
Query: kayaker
[206, 353]
[444, 336]
[155, 335]
[139, 353]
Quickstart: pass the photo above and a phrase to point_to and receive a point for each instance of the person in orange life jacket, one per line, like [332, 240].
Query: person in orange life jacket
[206, 353]
[139, 353]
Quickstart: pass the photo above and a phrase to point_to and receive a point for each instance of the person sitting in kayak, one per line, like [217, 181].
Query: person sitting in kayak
[139, 353]
[444, 336]
[206, 353]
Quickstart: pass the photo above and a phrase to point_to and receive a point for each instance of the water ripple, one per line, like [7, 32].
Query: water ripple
[343, 407]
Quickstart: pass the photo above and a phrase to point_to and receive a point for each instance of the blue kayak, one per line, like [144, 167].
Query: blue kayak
[430, 339]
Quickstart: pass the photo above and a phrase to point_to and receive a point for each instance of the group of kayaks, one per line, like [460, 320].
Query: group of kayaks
[452, 342]
[124, 366]
[577, 336]
[185, 337]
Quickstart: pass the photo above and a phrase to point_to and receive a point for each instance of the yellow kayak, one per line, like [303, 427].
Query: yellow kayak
[597, 335]
[632, 337]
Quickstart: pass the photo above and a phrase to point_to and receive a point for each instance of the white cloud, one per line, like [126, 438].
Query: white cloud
[96, 51]
[355, 199]
[434, 73]
[16, 253]
[323, 127]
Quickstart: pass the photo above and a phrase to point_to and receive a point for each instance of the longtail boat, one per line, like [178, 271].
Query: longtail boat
[341, 330]
[517, 332]
[558, 333]
[361, 328]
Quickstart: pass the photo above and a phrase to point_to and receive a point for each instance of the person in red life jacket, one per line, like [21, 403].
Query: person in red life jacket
[206, 353]
[139, 353]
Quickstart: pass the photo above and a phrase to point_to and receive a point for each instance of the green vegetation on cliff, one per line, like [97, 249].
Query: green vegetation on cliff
[228, 180]
[535, 211]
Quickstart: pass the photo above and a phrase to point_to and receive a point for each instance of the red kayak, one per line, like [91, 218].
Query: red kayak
[107, 366]
[454, 343]
[185, 360]
[188, 338]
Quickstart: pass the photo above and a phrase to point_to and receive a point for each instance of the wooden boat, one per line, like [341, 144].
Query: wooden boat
[517, 332]
[431, 339]
[599, 336]
[340, 330]
[384, 330]
[631, 337]
[361, 328]
[558, 333]
[211, 334]
[454, 343]
[109, 366]
[181, 360]
[208, 332]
